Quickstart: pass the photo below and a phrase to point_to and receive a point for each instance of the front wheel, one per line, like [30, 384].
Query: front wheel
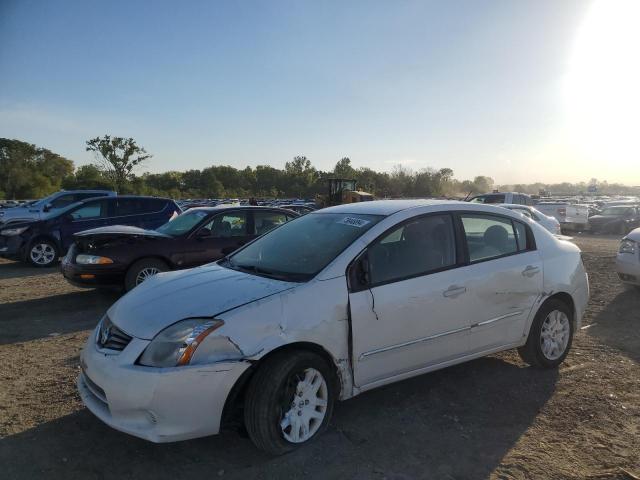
[550, 336]
[289, 401]
[143, 270]
[42, 253]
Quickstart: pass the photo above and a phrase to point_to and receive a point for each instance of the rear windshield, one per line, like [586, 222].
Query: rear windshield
[493, 198]
[300, 249]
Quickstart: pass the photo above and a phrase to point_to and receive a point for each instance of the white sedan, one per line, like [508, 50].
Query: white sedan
[323, 308]
[628, 259]
[548, 222]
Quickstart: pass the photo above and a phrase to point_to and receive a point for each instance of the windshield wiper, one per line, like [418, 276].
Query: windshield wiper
[263, 272]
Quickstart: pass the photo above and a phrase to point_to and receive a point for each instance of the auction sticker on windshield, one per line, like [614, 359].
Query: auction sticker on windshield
[354, 222]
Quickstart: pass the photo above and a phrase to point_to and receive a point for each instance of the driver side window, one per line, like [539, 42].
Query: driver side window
[414, 248]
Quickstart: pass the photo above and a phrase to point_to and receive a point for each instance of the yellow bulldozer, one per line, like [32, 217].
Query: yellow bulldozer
[342, 191]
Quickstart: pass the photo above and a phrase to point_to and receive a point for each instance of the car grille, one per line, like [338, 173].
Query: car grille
[111, 337]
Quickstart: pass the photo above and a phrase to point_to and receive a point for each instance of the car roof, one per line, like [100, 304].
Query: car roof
[515, 205]
[220, 208]
[385, 207]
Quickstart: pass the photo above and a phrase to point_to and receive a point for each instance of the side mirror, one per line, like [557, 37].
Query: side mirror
[359, 275]
[363, 270]
[47, 207]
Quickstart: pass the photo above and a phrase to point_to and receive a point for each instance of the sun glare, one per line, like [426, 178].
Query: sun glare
[603, 86]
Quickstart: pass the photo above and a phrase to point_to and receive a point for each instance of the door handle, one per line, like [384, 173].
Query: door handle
[530, 271]
[453, 291]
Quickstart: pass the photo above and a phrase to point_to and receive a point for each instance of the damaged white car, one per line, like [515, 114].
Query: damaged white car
[328, 306]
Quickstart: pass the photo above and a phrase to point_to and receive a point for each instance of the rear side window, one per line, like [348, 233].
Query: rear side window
[137, 206]
[418, 247]
[489, 236]
[97, 209]
[265, 221]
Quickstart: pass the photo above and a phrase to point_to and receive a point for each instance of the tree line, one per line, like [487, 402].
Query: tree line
[28, 171]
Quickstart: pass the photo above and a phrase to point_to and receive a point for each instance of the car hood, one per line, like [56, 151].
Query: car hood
[120, 230]
[198, 292]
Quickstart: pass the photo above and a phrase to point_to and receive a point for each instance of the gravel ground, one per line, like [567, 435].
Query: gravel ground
[490, 418]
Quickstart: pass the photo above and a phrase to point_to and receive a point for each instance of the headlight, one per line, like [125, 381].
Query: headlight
[176, 345]
[83, 259]
[11, 232]
[627, 246]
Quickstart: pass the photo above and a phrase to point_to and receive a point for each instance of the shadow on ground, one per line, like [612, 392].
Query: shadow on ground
[57, 314]
[9, 269]
[456, 423]
[618, 324]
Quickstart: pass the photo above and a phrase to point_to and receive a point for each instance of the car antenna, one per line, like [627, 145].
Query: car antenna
[465, 198]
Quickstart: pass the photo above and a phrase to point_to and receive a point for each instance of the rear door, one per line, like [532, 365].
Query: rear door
[504, 275]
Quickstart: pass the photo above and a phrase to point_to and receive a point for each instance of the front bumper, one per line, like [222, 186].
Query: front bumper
[11, 247]
[92, 275]
[156, 404]
[628, 268]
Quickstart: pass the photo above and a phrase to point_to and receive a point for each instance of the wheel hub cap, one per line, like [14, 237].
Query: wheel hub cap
[308, 407]
[145, 273]
[42, 253]
[554, 336]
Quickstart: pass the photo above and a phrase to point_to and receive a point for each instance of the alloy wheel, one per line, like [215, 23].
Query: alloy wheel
[554, 336]
[146, 273]
[42, 254]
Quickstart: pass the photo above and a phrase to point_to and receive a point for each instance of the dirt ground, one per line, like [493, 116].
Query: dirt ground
[491, 418]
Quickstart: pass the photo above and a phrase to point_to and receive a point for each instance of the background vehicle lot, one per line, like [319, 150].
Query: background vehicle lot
[490, 417]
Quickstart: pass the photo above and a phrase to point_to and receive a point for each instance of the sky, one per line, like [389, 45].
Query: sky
[522, 91]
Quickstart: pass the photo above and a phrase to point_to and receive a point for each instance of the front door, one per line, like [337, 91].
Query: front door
[218, 237]
[416, 313]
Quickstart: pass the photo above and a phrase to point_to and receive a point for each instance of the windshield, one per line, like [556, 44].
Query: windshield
[300, 249]
[617, 211]
[488, 199]
[183, 223]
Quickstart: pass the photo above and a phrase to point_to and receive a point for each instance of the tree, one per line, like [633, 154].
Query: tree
[27, 171]
[343, 169]
[86, 177]
[117, 157]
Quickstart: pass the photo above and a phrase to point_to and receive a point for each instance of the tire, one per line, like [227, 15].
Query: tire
[538, 353]
[270, 412]
[134, 275]
[43, 253]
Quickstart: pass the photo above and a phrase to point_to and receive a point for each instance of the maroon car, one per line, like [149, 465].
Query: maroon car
[126, 256]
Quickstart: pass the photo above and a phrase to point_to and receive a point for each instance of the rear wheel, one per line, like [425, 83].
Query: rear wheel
[43, 253]
[289, 401]
[550, 336]
[143, 270]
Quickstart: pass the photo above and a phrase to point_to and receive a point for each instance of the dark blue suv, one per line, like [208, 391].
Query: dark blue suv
[41, 242]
